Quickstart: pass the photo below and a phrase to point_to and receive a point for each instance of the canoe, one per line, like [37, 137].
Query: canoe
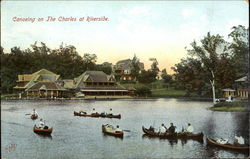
[185, 135]
[111, 116]
[34, 116]
[86, 115]
[156, 134]
[116, 134]
[227, 146]
[42, 131]
[96, 115]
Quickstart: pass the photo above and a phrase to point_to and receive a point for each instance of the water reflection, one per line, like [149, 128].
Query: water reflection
[44, 136]
[75, 137]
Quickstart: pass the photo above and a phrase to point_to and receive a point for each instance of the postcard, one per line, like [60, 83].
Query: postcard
[124, 79]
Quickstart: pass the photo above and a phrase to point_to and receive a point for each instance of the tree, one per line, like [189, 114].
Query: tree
[147, 76]
[135, 68]
[240, 49]
[167, 78]
[89, 61]
[211, 46]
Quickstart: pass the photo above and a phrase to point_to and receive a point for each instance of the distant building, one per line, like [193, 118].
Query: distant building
[123, 69]
[242, 88]
[228, 92]
[41, 84]
[95, 83]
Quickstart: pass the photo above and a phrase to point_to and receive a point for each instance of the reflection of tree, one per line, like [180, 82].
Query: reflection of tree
[242, 125]
[209, 126]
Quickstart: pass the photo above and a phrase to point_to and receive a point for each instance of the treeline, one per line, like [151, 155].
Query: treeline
[64, 61]
[214, 62]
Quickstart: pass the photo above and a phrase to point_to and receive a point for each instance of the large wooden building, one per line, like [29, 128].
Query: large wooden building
[97, 83]
[41, 84]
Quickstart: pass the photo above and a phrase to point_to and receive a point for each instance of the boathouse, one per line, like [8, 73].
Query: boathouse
[41, 84]
[97, 83]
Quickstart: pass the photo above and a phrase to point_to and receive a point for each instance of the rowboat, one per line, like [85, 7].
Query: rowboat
[106, 130]
[42, 131]
[160, 135]
[227, 146]
[34, 116]
[96, 115]
[186, 135]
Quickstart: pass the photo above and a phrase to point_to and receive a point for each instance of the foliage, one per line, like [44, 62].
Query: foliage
[213, 55]
[135, 69]
[142, 91]
[166, 77]
[64, 61]
[147, 76]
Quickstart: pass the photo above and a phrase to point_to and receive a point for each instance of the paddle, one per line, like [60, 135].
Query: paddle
[27, 114]
[127, 130]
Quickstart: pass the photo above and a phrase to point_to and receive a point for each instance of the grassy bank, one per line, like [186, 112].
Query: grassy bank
[161, 90]
[238, 106]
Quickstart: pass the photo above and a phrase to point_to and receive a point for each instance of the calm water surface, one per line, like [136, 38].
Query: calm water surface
[81, 137]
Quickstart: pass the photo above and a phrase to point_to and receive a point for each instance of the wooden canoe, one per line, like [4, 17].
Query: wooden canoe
[96, 115]
[34, 116]
[185, 135]
[227, 146]
[156, 134]
[116, 134]
[110, 116]
[42, 131]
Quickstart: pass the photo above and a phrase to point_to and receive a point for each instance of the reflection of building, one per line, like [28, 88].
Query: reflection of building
[228, 92]
[242, 89]
[43, 84]
[94, 83]
[123, 70]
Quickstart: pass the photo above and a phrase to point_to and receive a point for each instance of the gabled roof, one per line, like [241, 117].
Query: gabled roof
[42, 75]
[242, 79]
[93, 76]
[45, 86]
[228, 90]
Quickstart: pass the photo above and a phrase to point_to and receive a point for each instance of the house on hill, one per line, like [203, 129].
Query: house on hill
[97, 83]
[123, 69]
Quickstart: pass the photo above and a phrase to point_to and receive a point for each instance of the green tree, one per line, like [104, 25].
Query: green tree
[135, 68]
[240, 49]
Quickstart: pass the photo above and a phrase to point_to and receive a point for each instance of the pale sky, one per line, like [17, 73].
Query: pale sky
[160, 29]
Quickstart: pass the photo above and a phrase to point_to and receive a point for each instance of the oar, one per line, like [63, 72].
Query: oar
[126, 130]
[27, 114]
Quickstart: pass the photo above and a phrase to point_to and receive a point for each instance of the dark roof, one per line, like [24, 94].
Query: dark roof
[45, 86]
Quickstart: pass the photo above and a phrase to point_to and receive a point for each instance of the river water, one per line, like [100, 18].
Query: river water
[76, 137]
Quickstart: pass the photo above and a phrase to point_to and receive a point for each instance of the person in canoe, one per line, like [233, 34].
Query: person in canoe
[34, 112]
[82, 112]
[171, 129]
[41, 124]
[189, 129]
[239, 140]
[222, 141]
[117, 129]
[151, 128]
[110, 112]
[162, 129]
[93, 111]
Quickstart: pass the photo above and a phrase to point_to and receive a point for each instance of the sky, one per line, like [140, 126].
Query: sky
[159, 29]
